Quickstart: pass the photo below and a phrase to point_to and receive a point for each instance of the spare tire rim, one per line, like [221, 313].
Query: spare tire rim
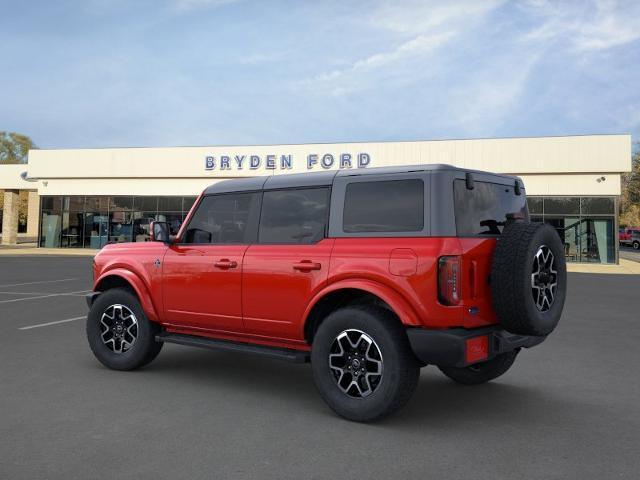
[356, 363]
[544, 278]
[118, 328]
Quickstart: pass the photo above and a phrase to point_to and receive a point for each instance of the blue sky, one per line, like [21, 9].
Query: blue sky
[103, 73]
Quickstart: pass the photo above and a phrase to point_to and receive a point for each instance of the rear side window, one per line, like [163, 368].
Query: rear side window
[294, 215]
[484, 210]
[384, 206]
[228, 218]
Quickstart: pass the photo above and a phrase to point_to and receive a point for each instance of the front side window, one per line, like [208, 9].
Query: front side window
[223, 219]
[294, 215]
[484, 210]
[384, 206]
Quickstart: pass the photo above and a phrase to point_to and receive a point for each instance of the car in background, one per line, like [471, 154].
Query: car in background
[630, 237]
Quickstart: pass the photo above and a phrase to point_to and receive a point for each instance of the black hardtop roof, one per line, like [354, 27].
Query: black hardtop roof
[318, 179]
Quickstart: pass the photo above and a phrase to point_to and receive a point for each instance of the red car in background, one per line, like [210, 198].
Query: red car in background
[629, 237]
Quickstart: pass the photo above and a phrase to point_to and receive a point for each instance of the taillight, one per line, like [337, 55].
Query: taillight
[449, 280]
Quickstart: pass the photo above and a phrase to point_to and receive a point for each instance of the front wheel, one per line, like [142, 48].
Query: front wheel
[362, 363]
[636, 245]
[119, 333]
[481, 372]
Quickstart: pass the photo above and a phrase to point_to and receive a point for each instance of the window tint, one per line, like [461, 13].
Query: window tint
[483, 210]
[294, 216]
[224, 219]
[385, 206]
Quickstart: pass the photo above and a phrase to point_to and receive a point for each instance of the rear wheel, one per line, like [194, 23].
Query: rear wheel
[481, 372]
[636, 245]
[119, 333]
[362, 363]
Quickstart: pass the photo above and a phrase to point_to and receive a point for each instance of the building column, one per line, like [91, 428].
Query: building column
[10, 217]
[33, 214]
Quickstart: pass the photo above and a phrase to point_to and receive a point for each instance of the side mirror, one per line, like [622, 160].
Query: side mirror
[159, 232]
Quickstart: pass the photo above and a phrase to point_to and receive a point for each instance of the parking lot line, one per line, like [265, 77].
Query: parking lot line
[46, 296]
[29, 327]
[22, 293]
[33, 283]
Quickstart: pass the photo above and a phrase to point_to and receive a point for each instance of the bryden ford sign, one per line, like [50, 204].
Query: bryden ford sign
[286, 162]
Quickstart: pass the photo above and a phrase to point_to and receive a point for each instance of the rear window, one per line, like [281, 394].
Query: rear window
[484, 210]
[385, 206]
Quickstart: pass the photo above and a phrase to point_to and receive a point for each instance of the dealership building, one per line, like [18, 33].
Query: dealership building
[86, 198]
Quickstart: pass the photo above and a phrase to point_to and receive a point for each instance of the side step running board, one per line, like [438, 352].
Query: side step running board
[287, 354]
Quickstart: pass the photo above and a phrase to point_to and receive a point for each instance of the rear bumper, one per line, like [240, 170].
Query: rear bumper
[459, 347]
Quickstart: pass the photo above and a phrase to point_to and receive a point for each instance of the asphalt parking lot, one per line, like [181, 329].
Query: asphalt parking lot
[629, 253]
[569, 408]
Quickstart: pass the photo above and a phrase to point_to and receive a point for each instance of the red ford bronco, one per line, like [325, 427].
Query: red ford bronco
[369, 275]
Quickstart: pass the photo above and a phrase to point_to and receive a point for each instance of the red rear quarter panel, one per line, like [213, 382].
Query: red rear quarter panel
[404, 273]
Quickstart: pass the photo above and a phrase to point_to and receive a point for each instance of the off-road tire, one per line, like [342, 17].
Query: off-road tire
[144, 349]
[481, 372]
[399, 366]
[511, 278]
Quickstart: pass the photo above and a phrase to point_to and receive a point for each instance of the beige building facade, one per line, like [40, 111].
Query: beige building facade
[89, 197]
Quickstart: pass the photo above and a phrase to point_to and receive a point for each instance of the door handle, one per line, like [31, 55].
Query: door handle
[225, 263]
[306, 266]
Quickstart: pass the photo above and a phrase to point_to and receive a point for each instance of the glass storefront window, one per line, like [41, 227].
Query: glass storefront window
[51, 222]
[170, 204]
[141, 222]
[535, 205]
[561, 205]
[120, 203]
[585, 225]
[74, 203]
[92, 222]
[50, 203]
[95, 230]
[597, 205]
[71, 233]
[97, 204]
[120, 227]
[144, 204]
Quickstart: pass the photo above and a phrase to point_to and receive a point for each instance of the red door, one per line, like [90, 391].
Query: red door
[289, 264]
[278, 282]
[202, 286]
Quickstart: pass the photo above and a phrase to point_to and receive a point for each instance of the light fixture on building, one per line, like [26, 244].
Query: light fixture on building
[25, 176]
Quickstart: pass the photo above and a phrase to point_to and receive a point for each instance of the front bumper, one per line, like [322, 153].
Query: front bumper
[460, 347]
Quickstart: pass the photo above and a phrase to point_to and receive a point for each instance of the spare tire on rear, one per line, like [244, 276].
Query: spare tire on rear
[529, 278]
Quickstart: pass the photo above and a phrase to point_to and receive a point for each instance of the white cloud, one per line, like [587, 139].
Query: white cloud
[593, 26]
[481, 106]
[420, 16]
[420, 29]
